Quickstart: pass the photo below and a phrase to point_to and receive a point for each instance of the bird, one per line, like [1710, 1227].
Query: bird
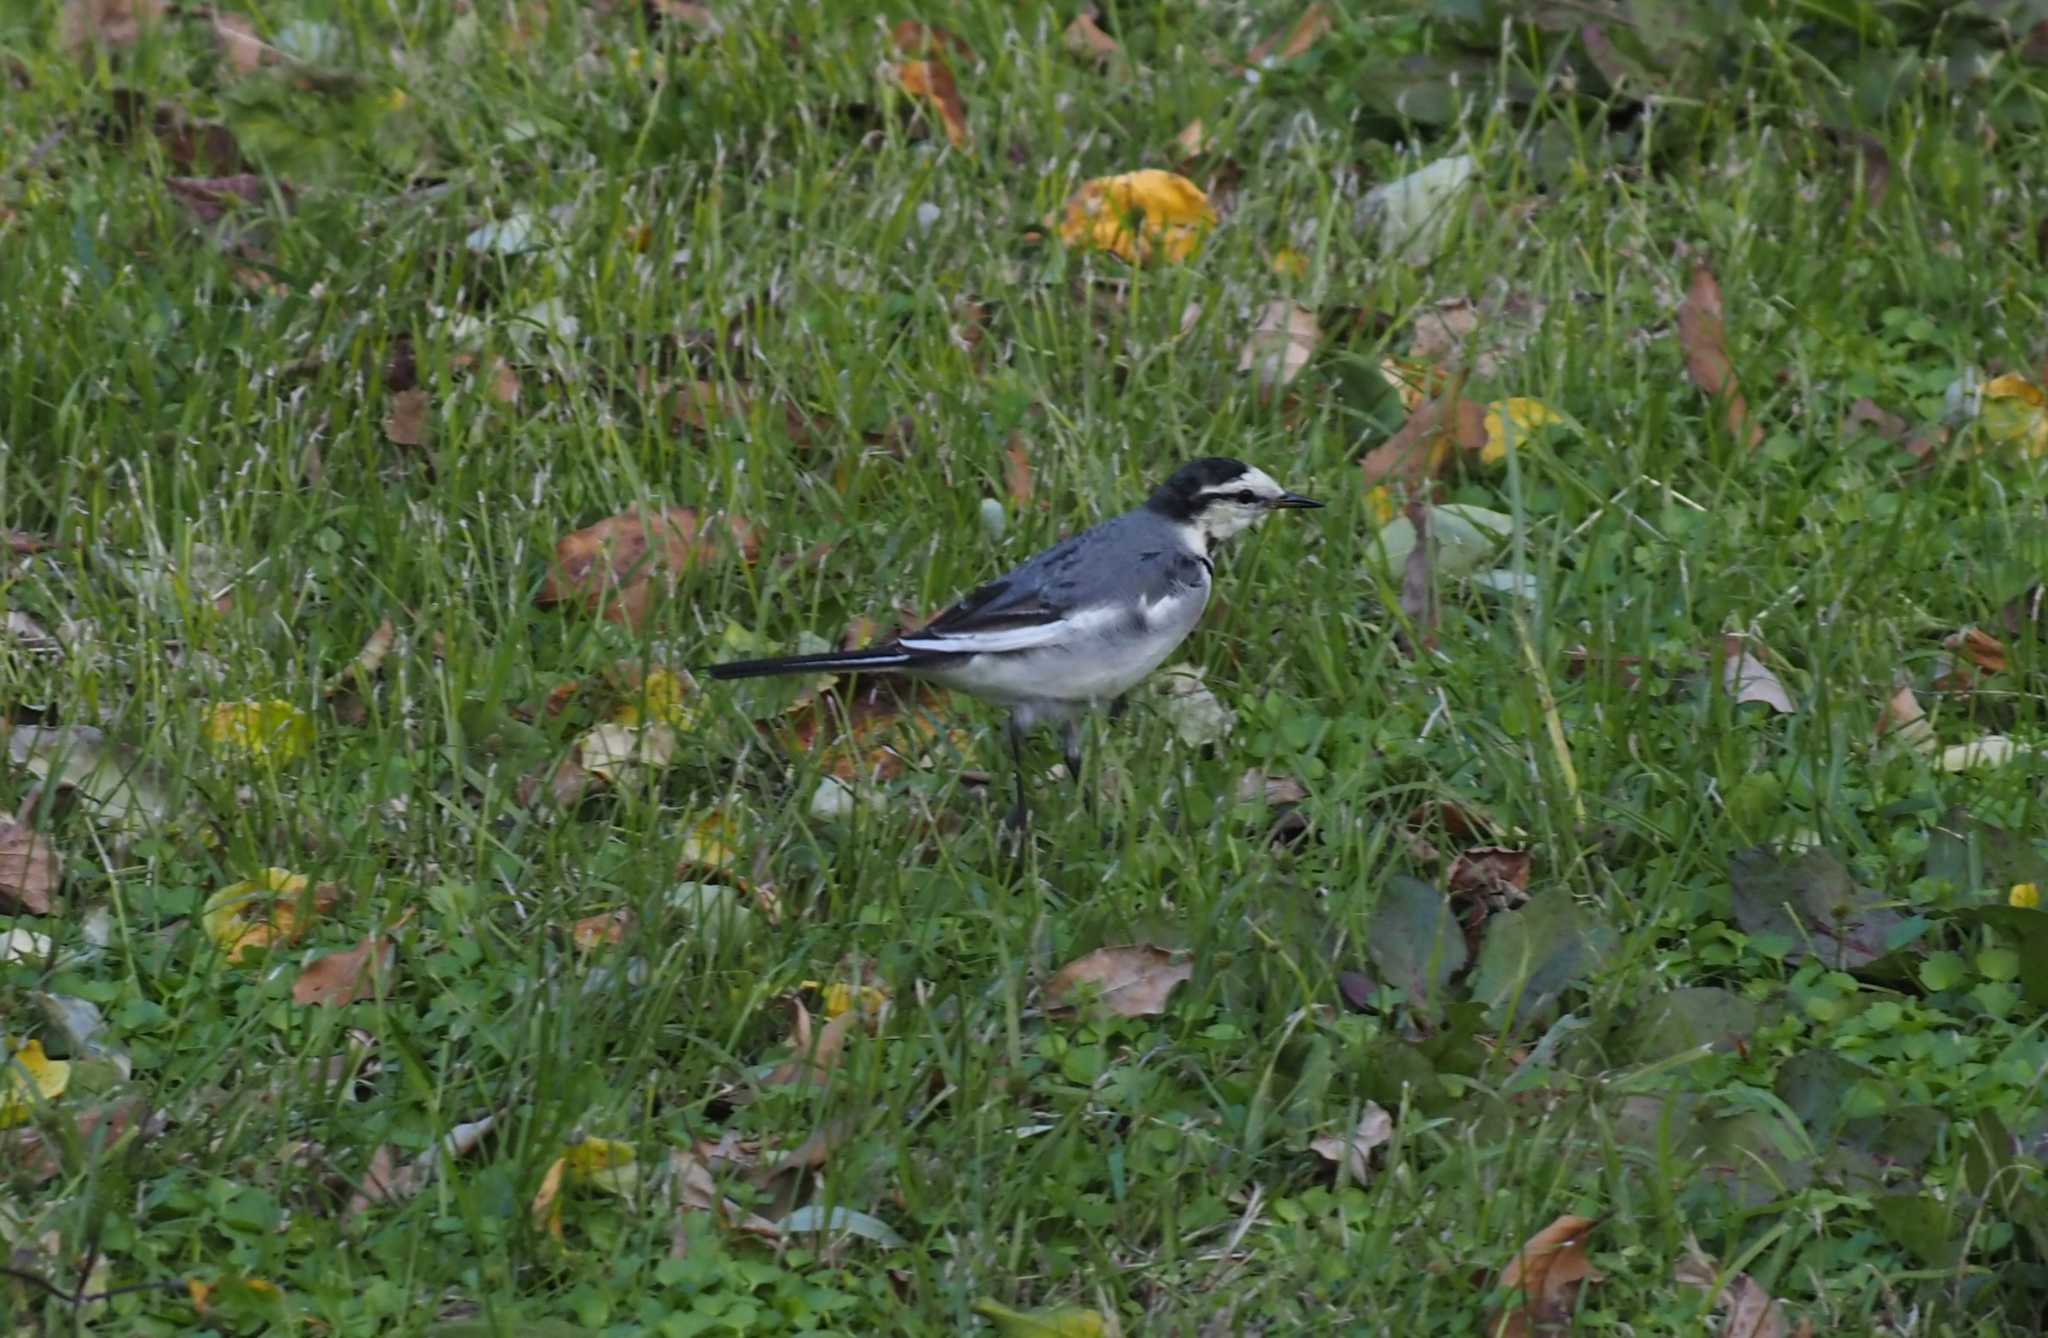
[1077, 626]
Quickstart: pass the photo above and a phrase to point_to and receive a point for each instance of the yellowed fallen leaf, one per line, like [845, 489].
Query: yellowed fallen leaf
[1517, 417]
[662, 696]
[1071, 1321]
[2014, 412]
[620, 753]
[1137, 215]
[31, 1076]
[273, 732]
[1133, 980]
[275, 907]
[1190, 140]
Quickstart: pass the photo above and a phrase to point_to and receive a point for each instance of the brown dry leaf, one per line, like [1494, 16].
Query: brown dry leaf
[1747, 678]
[596, 931]
[1427, 442]
[210, 198]
[23, 544]
[30, 869]
[240, 47]
[1881, 422]
[1088, 41]
[1132, 980]
[99, 1130]
[1352, 1153]
[385, 1181]
[1017, 472]
[1703, 337]
[1306, 32]
[875, 735]
[344, 977]
[919, 39]
[1751, 1312]
[1280, 345]
[1549, 1272]
[1902, 715]
[685, 12]
[114, 23]
[695, 1191]
[501, 383]
[1489, 870]
[618, 566]
[405, 422]
[1190, 140]
[813, 1062]
[1982, 649]
[931, 80]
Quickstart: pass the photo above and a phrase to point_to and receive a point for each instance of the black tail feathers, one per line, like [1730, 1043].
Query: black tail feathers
[837, 662]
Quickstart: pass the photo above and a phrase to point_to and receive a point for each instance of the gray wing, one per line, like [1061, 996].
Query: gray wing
[1080, 584]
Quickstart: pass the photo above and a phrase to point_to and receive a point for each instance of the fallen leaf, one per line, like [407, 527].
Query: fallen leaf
[1352, 1153]
[126, 793]
[30, 868]
[240, 47]
[2014, 412]
[272, 732]
[1514, 419]
[1306, 32]
[501, 382]
[274, 908]
[1088, 41]
[913, 38]
[342, 978]
[1549, 1272]
[1902, 714]
[813, 1060]
[600, 1163]
[695, 1191]
[1413, 213]
[405, 422]
[385, 1181]
[1190, 140]
[596, 931]
[621, 753]
[1280, 345]
[31, 1078]
[1017, 473]
[1071, 1321]
[1990, 750]
[209, 199]
[1137, 215]
[1982, 649]
[1426, 442]
[1418, 584]
[98, 1131]
[617, 567]
[1489, 870]
[931, 80]
[371, 657]
[1702, 336]
[1811, 901]
[1133, 980]
[686, 12]
[114, 23]
[1190, 707]
[1867, 415]
[1750, 1311]
[1747, 678]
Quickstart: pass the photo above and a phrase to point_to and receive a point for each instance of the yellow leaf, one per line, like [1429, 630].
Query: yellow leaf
[31, 1075]
[2027, 896]
[266, 909]
[661, 700]
[1137, 215]
[1290, 262]
[1380, 504]
[1070, 1321]
[547, 1204]
[272, 731]
[2015, 413]
[1522, 416]
[1415, 381]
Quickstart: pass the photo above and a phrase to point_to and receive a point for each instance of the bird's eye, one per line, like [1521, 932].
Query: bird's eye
[1247, 497]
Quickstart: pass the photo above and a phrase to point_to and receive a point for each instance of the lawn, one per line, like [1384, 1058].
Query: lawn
[1618, 910]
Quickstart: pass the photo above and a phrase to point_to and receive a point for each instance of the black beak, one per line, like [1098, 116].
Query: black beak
[1294, 501]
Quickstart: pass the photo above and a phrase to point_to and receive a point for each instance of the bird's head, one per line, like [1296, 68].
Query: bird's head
[1216, 498]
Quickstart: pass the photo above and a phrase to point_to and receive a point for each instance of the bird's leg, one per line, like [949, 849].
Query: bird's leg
[1019, 817]
[1070, 745]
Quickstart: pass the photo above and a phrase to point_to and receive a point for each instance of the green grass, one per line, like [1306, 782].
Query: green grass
[752, 221]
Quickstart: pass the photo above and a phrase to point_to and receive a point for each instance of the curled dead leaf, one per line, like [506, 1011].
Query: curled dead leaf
[1427, 442]
[1307, 30]
[1982, 649]
[1086, 40]
[1902, 715]
[405, 421]
[1489, 871]
[1280, 345]
[1549, 1271]
[342, 978]
[1747, 678]
[30, 869]
[1352, 1153]
[1132, 980]
[931, 80]
[1703, 337]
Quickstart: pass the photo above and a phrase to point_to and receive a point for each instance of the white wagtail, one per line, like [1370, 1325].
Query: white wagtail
[1081, 623]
